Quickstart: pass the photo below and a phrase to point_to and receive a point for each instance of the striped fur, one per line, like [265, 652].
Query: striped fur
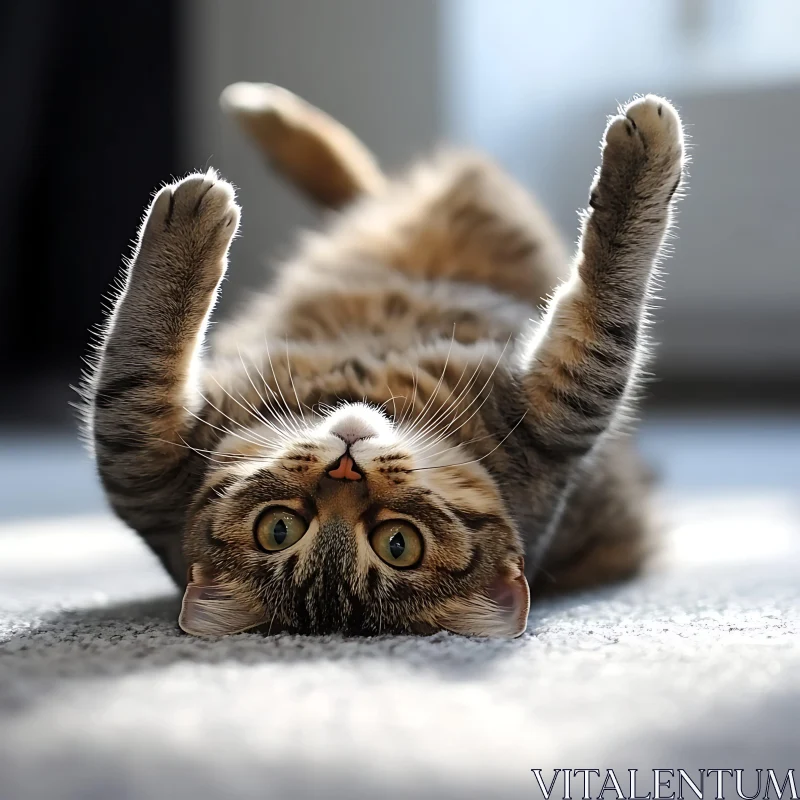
[415, 315]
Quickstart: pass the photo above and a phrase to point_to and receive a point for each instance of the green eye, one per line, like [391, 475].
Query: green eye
[279, 528]
[397, 543]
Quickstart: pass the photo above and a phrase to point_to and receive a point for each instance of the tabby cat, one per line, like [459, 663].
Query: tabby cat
[393, 438]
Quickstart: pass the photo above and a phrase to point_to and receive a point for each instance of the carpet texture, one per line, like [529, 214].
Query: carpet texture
[696, 665]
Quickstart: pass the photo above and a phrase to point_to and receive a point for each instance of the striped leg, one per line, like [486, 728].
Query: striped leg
[145, 379]
[578, 369]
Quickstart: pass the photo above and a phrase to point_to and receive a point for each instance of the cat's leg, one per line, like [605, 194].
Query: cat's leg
[143, 395]
[325, 160]
[577, 371]
[608, 527]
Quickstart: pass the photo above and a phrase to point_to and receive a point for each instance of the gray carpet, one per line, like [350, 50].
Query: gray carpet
[696, 665]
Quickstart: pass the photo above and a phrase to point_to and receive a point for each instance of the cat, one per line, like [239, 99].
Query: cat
[394, 437]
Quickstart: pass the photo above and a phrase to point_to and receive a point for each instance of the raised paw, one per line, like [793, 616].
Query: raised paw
[190, 224]
[643, 155]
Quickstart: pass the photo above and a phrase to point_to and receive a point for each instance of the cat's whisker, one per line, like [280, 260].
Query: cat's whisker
[265, 402]
[229, 458]
[445, 408]
[432, 397]
[270, 403]
[257, 441]
[223, 429]
[278, 416]
[478, 394]
[447, 431]
[456, 445]
[252, 410]
[291, 380]
[413, 400]
[474, 460]
[291, 419]
[248, 407]
[449, 406]
[393, 399]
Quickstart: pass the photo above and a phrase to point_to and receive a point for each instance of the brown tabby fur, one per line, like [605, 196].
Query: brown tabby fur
[412, 317]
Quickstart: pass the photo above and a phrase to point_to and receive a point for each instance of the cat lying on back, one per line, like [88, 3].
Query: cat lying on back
[387, 440]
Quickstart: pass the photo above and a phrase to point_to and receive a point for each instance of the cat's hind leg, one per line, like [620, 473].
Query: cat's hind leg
[319, 155]
[143, 396]
[608, 527]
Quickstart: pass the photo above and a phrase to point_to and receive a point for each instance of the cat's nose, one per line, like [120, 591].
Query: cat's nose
[352, 429]
[345, 470]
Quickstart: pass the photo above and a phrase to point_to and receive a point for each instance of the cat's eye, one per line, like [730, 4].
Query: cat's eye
[398, 543]
[279, 528]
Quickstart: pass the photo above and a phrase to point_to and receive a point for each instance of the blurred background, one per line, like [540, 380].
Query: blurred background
[106, 101]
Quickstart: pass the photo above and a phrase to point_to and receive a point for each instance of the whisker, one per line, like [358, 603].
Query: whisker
[291, 380]
[475, 460]
[291, 416]
[257, 442]
[276, 410]
[413, 397]
[447, 432]
[480, 391]
[223, 429]
[394, 404]
[207, 454]
[449, 406]
[441, 376]
[391, 400]
[251, 409]
[264, 401]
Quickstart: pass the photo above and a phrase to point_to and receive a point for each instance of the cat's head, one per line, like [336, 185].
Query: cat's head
[351, 523]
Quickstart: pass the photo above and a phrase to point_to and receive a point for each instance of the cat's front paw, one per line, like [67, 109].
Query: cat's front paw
[643, 156]
[190, 224]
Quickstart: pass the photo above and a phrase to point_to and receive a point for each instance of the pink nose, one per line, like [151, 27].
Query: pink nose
[345, 470]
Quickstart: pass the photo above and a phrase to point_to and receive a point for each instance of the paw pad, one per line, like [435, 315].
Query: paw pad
[201, 202]
[651, 122]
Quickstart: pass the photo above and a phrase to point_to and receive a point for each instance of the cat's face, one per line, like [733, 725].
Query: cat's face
[351, 523]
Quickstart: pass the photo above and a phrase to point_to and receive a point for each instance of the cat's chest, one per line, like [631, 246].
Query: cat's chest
[405, 316]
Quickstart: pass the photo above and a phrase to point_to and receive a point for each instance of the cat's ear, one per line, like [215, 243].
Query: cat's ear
[210, 608]
[309, 148]
[500, 610]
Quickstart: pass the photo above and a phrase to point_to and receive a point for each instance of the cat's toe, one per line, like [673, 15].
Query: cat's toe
[643, 155]
[203, 198]
[202, 206]
[161, 208]
[648, 126]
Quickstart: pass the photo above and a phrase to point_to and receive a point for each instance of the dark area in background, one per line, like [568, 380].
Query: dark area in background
[89, 90]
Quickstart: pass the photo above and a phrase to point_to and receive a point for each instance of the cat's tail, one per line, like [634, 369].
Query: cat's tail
[319, 155]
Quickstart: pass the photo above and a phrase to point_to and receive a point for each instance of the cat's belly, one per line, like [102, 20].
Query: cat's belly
[377, 343]
[392, 316]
